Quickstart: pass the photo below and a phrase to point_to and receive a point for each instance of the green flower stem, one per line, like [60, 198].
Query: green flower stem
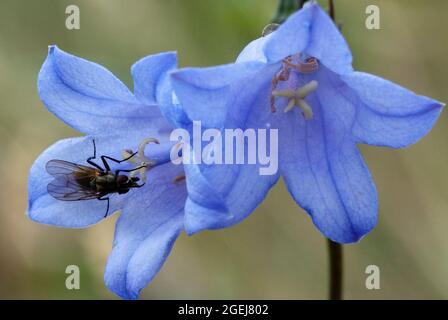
[335, 257]
[331, 10]
[335, 249]
[286, 8]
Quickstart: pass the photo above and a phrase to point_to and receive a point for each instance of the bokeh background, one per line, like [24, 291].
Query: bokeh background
[276, 253]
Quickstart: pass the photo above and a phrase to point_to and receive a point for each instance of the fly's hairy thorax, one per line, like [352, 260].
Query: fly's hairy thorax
[107, 182]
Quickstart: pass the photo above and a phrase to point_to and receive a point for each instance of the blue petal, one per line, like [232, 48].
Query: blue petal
[323, 169]
[148, 72]
[254, 51]
[310, 31]
[238, 97]
[145, 232]
[335, 188]
[207, 94]
[88, 97]
[387, 114]
[210, 206]
[152, 85]
[45, 209]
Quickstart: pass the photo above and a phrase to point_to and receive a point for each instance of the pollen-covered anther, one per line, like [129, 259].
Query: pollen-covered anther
[297, 98]
[140, 159]
[308, 66]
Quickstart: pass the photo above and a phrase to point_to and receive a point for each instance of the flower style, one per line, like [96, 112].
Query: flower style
[299, 80]
[92, 100]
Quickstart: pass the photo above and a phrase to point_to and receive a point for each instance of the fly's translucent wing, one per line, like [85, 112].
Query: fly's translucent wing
[72, 181]
[61, 167]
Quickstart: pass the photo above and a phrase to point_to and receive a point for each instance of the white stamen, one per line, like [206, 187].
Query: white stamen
[297, 98]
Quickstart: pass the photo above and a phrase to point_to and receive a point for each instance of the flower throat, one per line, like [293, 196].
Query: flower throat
[294, 94]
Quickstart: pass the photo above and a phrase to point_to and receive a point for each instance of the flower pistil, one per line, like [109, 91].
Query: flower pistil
[297, 98]
[140, 159]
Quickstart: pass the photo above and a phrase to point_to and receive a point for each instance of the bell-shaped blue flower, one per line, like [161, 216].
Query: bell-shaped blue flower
[93, 101]
[299, 80]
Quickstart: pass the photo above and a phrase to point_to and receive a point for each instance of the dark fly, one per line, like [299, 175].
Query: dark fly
[75, 182]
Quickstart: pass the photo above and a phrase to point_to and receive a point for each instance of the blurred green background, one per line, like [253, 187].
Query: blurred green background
[276, 253]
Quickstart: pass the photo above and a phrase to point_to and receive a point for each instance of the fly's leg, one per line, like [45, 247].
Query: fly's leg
[140, 185]
[117, 172]
[89, 159]
[105, 199]
[106, 164]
